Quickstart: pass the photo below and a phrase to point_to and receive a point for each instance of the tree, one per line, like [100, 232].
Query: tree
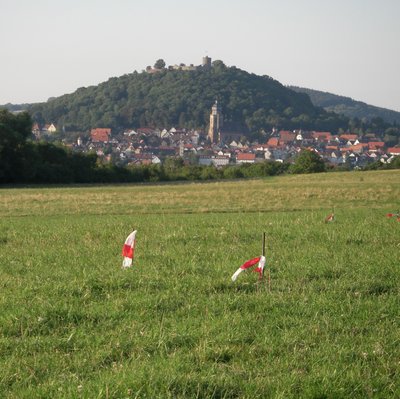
[392, 136]
[14, 131]
[308, 162]
[172, 167]
[232, 172]
[395, 164]
[22, 160]
[160, 64]
[219, 66]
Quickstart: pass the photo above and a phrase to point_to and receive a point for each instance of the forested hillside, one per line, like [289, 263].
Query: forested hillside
[184, 98]
[348, 107]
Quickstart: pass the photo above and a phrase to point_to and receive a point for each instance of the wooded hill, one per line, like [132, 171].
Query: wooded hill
[347, 106]
[183, 99]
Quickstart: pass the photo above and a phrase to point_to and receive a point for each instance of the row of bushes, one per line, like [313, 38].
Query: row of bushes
[46, 163]
[159, 173]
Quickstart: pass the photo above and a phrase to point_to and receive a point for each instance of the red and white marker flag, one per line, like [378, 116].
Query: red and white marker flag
[394, 215]
[259, 269]
[128, 250]
[330, 218]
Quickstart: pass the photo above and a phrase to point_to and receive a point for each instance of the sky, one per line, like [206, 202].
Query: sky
[348, 47]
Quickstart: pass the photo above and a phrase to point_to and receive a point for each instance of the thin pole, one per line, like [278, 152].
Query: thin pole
[263, 244]
[263, 254]
[261, 279]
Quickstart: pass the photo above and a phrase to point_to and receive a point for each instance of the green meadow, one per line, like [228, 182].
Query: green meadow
[73, 324]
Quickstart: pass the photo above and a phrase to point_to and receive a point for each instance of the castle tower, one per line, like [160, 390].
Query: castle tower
[206, 62]
[216, 122]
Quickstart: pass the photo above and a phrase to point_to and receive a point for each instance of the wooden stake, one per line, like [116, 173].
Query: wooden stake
[269, 271]
[263, 244]
[263, 251]
[263, 254]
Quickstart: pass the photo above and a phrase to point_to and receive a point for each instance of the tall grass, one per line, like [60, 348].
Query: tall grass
[73, 324]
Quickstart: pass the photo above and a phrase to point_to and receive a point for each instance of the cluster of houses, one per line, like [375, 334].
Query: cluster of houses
[144, 146]
[336, 150]
[220, 146]
[42, 131]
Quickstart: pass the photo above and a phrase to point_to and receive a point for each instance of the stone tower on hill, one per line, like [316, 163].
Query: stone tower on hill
[206, 62]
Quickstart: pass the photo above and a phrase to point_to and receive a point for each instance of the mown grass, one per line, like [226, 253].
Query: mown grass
[73, 324]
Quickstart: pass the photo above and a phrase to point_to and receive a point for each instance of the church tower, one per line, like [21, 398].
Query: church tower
[215, 123]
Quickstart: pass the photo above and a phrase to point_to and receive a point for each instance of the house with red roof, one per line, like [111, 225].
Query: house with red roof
[393, 151]
[349, 137]
[273, 142]
[322, 136]
[100, 135]
[245, 157]
[286, 136]
[358, 148]
[374, 146]
[36, 130]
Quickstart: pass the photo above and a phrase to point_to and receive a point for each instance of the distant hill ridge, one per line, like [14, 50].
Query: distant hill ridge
[167, 97]
[173, 97]
[347, 106]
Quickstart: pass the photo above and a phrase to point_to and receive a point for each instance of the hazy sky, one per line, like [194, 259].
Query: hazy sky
[347, 47]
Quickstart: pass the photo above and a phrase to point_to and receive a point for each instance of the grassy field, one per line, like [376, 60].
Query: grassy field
[74, 325]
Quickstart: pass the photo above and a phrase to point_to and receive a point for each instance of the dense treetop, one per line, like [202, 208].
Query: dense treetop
[183, 98]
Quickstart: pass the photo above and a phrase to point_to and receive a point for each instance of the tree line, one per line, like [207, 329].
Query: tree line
[349, 107]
